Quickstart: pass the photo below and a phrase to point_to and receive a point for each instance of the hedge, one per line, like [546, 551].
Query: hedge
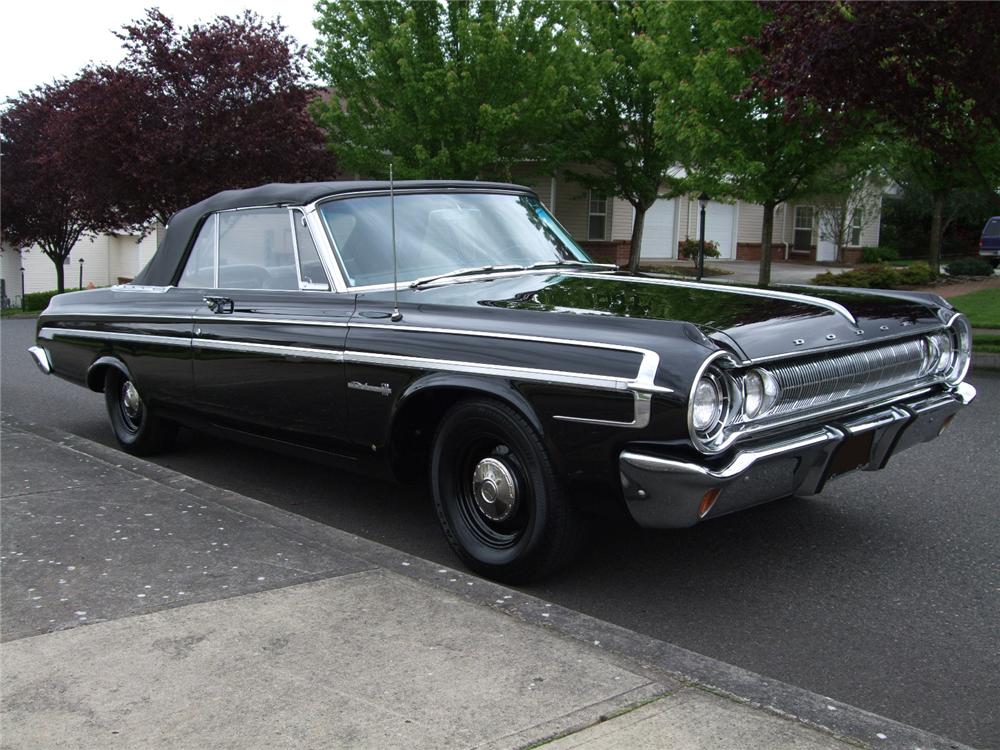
[37, 301]
[878, 276]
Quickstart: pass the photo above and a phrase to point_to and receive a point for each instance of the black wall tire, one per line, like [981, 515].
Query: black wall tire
[497, 496]
[138, 430]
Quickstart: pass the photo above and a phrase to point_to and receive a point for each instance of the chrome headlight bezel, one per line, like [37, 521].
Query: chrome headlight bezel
[960, 332]
[714, 379]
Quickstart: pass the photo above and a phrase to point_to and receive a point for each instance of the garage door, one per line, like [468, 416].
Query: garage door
[719, 218]
[658, 230]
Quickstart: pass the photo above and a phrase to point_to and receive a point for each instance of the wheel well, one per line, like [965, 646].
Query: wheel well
[417, 421]
[97, 372]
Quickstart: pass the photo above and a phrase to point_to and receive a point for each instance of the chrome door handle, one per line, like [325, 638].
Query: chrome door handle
[220, 305]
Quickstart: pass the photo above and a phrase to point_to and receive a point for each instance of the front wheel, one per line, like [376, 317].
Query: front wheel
[137, 430]
[497, 496]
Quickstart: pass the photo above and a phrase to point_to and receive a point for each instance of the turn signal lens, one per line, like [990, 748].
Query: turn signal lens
[708, 501]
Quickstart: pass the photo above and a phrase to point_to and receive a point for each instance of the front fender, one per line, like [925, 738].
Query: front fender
[443, 381]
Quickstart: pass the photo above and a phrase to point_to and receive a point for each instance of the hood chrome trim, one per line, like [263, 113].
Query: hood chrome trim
[806, 299]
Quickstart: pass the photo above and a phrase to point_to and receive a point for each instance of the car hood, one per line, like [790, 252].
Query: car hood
[759, 323]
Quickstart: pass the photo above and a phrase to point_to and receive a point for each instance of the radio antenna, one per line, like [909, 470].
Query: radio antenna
[396, 314]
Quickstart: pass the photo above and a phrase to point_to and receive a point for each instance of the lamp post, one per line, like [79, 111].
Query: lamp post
[22, 288]
[81, 273]
[703, 202]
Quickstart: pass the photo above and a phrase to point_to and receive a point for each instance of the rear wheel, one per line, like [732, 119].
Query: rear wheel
[137, 429]
[497, 495]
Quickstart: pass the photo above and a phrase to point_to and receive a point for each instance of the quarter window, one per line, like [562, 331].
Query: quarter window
[266, 248]
[200, 268]
[597, 216]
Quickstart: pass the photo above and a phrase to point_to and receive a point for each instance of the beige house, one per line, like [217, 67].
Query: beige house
[107, 259]
[603, 225]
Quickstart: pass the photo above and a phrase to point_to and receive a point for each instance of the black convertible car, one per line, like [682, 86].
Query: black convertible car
[455, 330]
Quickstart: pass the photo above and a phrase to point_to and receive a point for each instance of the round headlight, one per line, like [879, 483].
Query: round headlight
[753, 393]
[942, 347]
[707, 404]
[760, 393]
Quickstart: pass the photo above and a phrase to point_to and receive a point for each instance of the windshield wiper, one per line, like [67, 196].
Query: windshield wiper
[573, 264]
[465, 272]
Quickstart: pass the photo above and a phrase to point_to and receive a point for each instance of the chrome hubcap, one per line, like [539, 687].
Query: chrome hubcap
[494, 489]
[131, 401]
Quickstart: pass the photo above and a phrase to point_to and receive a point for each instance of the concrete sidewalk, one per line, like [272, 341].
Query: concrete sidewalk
[142, 608]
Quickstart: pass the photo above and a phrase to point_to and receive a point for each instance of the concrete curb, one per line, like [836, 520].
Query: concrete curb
[839, 719]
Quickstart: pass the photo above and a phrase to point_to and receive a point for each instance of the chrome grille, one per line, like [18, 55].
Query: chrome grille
[813, 384]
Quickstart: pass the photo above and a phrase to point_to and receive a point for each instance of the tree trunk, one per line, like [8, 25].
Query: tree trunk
[636, 249]
[937, 213]
[60, 274]
[764, 279]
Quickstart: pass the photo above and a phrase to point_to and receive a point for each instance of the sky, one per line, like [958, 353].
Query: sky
[41, 40]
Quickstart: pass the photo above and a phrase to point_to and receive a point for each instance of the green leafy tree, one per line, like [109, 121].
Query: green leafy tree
[444, 90]
[927, 73]
[740, 141]
[618, 137]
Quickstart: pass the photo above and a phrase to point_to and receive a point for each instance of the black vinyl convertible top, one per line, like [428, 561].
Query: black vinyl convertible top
[164, 268]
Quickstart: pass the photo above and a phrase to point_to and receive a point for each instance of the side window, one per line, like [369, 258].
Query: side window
[256, 250]
[200, 268]
[311, 268]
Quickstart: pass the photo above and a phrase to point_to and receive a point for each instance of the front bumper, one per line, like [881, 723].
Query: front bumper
[664, 493]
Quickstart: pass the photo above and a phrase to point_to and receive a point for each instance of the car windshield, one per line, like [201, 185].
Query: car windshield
[439, 233]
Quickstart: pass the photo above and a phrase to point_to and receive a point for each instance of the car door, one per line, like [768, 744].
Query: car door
[269, 339]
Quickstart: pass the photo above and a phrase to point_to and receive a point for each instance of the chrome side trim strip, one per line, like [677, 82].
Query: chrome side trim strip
[562, 377]
[279, 350]
[140, 288]
[139, 338]
[747, 291]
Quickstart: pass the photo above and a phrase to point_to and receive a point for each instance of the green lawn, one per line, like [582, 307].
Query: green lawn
[982, 307]
[986, 342]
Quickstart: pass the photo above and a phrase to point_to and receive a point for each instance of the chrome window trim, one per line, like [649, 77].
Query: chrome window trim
[215, 254]
[295, 249]
[835, 307]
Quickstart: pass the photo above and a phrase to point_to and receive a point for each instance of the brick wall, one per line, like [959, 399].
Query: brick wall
[615, 251]
[751, 251]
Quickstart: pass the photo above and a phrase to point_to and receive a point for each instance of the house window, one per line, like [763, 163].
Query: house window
[804, 218]
[857, 223]
[597, 216]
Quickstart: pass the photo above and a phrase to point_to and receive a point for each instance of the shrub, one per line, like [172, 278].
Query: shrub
[878, 254]
[37, 301]
[969, 267]
[689, 249]
[878, 276]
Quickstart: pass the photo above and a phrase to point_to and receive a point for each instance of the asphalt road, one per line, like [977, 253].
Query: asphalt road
[883, 592]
